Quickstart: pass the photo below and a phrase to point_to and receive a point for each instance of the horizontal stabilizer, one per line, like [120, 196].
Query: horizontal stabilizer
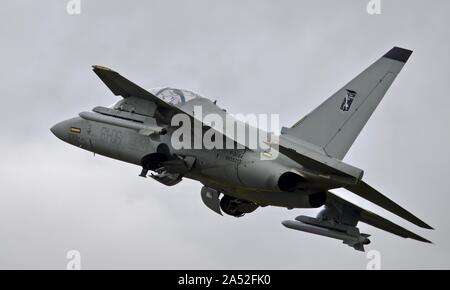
[367, 192]
[322, 163]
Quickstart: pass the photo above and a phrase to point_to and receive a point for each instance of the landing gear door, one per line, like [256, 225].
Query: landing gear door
[210, 198]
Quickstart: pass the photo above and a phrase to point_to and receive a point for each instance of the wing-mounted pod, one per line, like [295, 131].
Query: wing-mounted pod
[349, 235]
[334, 221]
[339, 220]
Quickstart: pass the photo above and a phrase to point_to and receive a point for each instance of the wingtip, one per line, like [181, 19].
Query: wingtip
[367, 192]
[415, 220]
[427, 241]
[398, 53]
[418, 238]
[100, 67]
[424, 225]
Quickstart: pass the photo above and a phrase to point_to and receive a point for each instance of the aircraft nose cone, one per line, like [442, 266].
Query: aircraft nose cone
[53, 129]
[69, 130]
[58, 130]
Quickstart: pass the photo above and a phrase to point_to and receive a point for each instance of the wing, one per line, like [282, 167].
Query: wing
[367, 192]
[120, 86]
[339, 220]
[375, 220]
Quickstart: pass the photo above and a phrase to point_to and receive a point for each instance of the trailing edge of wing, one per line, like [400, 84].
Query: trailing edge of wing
[377, 221]
[367, 192]
[121, 86]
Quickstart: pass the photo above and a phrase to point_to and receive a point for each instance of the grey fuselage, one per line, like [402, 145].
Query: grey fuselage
[239, 173]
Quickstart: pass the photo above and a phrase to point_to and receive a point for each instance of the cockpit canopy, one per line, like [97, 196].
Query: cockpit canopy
[170, 95]
[174, 96]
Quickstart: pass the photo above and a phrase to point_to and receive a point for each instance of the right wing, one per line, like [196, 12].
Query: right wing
[121, 86]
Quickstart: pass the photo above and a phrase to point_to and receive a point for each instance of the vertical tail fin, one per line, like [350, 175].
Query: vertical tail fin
[336, 123]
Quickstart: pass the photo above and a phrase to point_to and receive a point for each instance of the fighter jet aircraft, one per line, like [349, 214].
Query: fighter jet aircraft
[300, 167]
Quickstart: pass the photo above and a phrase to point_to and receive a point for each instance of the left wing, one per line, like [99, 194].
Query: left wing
[339, 219]
[367, 192]
[375, 220]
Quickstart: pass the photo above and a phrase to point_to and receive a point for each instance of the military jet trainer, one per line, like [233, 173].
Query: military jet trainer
[301, 167]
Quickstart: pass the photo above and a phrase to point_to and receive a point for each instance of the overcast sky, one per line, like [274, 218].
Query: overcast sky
[256, 56]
